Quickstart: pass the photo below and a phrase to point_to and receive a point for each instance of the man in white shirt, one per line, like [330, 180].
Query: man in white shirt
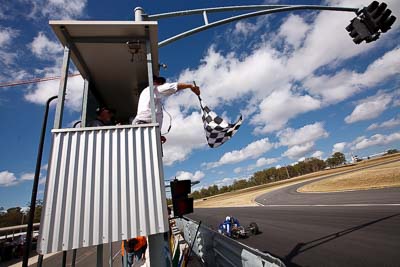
[161, 89]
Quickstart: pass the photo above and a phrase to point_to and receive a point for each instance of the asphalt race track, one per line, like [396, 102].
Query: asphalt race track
[358, 228]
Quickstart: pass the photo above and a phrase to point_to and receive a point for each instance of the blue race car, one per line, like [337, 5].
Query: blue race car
[232, 228]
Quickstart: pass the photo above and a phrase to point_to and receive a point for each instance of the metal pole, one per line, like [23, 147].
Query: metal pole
[85, 103]
[110, 261]
[242, 16]
[22, 222]
[40, 260]
[205, 17]
[246, 7]
[139, 12]
[150, 73]
[125, 257]
[99, 262]
[62, 88]
[35, 186]
[64, 259]
[73, 258]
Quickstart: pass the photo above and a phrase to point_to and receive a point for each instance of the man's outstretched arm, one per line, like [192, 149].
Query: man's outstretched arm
[195, 89]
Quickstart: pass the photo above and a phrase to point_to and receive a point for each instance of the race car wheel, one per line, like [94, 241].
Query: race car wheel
[254, 228]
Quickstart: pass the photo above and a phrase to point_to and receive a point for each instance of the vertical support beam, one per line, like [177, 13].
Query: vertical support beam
[125, 257]
[99, 261]
[64, 259]
[205, 17]
[159, 253]
[85, 103]
[73, 258]
[62, 88]
[110, 260]
[150, 73]
[40, 260]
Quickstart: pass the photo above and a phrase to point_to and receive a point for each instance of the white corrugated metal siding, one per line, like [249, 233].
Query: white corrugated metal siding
[103, 185]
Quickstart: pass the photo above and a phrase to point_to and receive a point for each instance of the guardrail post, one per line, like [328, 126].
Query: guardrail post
[125, 257]
[73, 257]
[99, 262]
[110, 260]
[64, 259]
[40, 260]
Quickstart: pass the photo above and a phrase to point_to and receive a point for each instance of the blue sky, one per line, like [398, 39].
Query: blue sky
[303, 87]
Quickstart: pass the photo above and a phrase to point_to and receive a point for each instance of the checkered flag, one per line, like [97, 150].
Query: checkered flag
[217, 130]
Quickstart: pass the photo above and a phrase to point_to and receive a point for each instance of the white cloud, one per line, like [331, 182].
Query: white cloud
[44, 167]
[245, 28]
[7, 34]
[317, 154]
[7, 52]
[301, 141]
[228, 181]
[251, 151]
[183, 175]
[224, 182]
[186, 134]
[58, 9]
[339, 147]
[327, 42]
[298, 151]
[305, 134]
[7, 178]
[44, 90]
[301, 159]
[393, 122]
[7, 58]
[238, 170]
[27, 176]
[44, 48]
[293, 30]
[279, 107]
[261, 162]
[343, 84]
[375, 140]
[224, 78]
[265, 161]
[370, 108]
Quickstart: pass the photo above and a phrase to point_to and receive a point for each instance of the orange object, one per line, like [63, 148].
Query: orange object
[141, 241]
[122, 248]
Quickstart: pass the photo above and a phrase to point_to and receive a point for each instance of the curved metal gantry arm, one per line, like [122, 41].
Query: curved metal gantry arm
[262, 10]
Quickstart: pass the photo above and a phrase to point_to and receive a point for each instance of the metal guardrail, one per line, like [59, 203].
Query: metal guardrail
[17, 227]
[214, 249]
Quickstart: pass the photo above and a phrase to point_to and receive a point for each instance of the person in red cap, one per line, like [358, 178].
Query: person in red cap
[135, 249]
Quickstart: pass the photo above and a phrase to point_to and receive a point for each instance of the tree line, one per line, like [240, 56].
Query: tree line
[274, 174]
[16, 216]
